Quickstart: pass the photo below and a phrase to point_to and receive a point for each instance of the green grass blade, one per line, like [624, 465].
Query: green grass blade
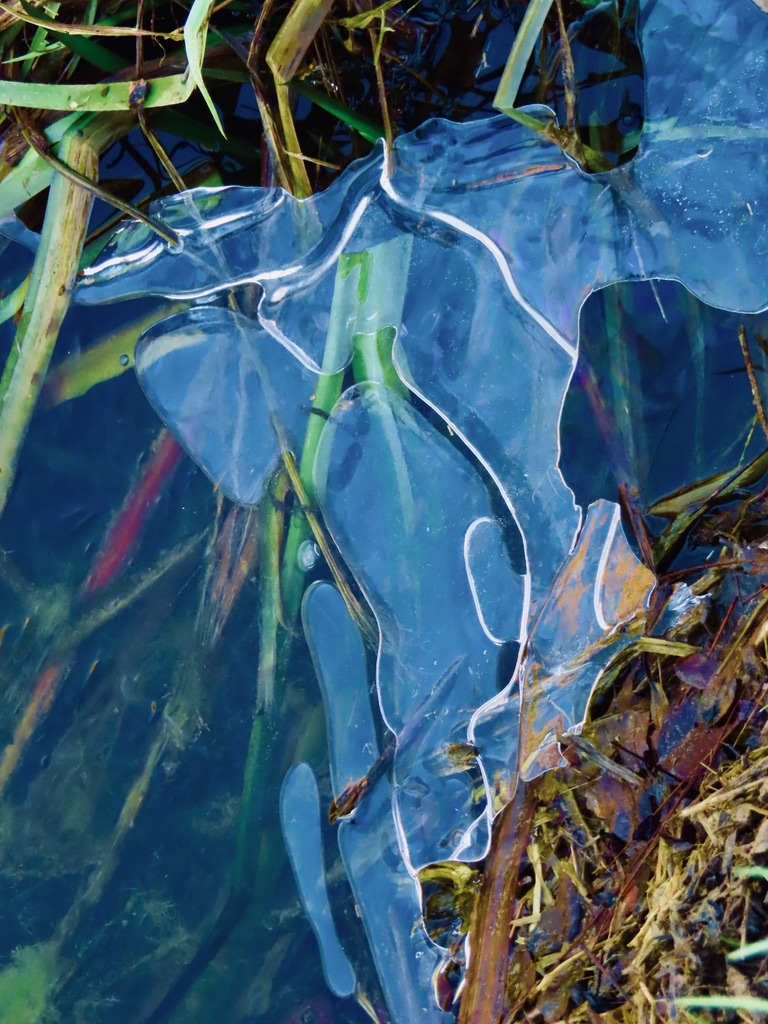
[294, 37]
[362, 125]
[104, 360]
[195, 35]
[33, 16]
[522, 48]
[193, 130]
[39, 42]
[749, 1004]
[364, 20]
[11, 303]
[94, 53]
[162, 92]
[753, 871]
[759, 948]
[366, 285]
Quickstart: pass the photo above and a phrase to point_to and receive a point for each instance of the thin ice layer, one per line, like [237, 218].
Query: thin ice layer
[399, 501]
[489, 194]
[232, 397]
[387, 895]
[507, 239]
[234, 236]
[300, 822]
[498, 590]
[593, 611]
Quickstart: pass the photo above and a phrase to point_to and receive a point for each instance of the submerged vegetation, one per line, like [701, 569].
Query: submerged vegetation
[156, 687]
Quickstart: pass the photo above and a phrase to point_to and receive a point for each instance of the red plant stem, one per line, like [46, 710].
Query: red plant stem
[716, 641]
[485, 994]
[124, 533]
[47, 686]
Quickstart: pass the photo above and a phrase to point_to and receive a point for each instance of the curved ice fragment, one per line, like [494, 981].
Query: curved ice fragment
[696, 190]
[300, 822]
[498, 377]
[398, 500]
[230, 394]
[339, 658]
[229, 236]
[234, 236]
[387, 895]
[686, 207]
[595, 609]
[498, 591]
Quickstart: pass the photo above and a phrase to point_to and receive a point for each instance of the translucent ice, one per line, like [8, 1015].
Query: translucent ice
[385, 891]
[477, 256]
[300, 820]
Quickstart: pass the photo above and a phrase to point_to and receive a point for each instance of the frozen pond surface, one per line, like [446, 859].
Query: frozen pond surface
[446, 300]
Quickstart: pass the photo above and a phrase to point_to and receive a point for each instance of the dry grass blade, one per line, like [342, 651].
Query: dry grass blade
[295, 36]
[756, 397]
[647, 841]
[115, 31]
[47, 300]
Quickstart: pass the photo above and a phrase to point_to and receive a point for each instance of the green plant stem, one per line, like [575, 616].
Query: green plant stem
[327, 393]
[522, 48]
[362, 125]
[262, 730]
[33, 173]
[106, 359]
[368, 284]
[48, 297]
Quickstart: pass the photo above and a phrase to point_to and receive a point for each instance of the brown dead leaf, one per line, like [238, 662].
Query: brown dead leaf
[760, 843]
[615, 803]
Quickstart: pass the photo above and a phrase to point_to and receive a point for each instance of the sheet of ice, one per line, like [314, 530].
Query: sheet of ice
[498, 589]
[399, 501]
[231, 236]
[300, 823]
[495, 241]
[387, 895]
[252, 390]
[509, 237]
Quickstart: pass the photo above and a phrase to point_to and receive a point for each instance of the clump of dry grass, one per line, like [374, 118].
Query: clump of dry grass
[632, 892]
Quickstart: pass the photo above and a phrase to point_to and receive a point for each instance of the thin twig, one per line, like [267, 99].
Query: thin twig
[37, 141]
[759, 408]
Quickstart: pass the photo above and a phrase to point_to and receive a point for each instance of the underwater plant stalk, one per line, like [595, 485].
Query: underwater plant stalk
[358, 298]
